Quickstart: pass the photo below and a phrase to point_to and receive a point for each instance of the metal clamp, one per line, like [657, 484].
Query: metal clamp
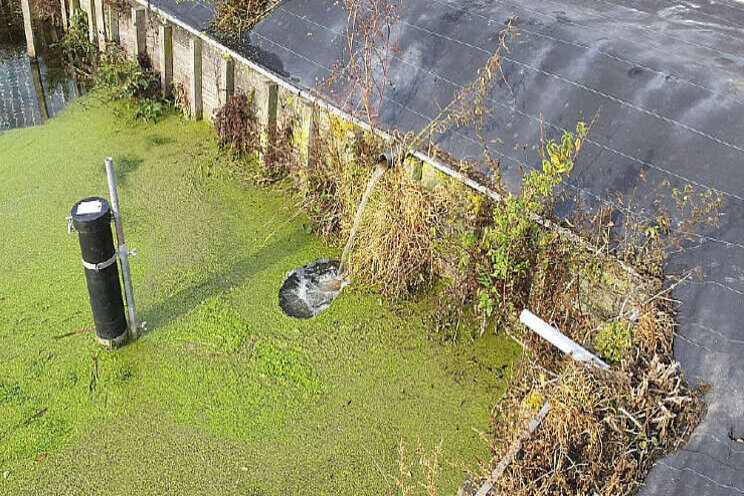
[70, 226]
[101, 265]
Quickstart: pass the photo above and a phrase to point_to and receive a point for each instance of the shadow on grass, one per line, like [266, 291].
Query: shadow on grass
[165, 312]
[123, 166]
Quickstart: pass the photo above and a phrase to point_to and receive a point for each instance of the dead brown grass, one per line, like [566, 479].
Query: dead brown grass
[394, 247]
[232, 17]
[605, 429]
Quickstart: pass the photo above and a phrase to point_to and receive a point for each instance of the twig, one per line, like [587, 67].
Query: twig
[667, 290]
[271, 235]
[632, 418]
[22, 424]
[514, 450]
[93, 374]
[377, 465]
[74, 333]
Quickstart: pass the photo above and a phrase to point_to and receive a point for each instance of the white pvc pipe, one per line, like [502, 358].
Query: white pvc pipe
[559, 340]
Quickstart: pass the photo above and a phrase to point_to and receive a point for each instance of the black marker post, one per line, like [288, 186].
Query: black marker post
[91, 218]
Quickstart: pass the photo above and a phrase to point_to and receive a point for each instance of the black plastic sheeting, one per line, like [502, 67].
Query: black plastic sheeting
[668, 77]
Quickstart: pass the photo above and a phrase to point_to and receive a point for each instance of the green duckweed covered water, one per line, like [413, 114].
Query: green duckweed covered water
[225, 394]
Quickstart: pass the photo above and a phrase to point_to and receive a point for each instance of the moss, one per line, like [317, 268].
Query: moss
[224, 394]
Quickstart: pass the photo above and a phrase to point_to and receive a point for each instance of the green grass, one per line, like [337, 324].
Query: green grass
[224, 394]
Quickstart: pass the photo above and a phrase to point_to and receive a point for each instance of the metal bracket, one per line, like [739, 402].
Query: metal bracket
[122, 250]
[101, 265]
[70, 227]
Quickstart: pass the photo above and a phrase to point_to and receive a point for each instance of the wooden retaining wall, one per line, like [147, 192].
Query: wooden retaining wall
[206, 73]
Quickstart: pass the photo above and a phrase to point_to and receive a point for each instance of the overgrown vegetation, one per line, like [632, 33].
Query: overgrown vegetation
[360, 79]
[233, 17]
[79, 51]
[601, 282]
[605, 429]
[113, 73]
[131, 81]
[236, 123]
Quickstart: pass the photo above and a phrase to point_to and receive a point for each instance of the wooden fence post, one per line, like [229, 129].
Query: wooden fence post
[307, 134]
[29, 28]
[97, 6]
[195, 95]
[63, 11]
[227, 78]
[268, 118]
[139, 26]
[112, 19]
[39, 90]
[92, 28]
[165, 32]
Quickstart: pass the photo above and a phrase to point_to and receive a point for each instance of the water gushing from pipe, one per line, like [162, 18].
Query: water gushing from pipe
[310, 289]
[380, 169]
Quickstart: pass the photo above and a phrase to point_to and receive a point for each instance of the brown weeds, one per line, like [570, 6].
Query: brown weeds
[236, 125]
[605, 429]
[232, 17]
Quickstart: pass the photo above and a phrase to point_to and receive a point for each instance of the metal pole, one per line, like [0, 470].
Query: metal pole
[123, 251]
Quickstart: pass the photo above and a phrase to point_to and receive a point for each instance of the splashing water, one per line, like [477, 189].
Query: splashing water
[310, 289]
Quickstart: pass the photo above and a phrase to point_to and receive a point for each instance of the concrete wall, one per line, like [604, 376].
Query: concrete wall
[182, 70]
[212, 83]
[127, 38]
[247, 81]
[153, 40]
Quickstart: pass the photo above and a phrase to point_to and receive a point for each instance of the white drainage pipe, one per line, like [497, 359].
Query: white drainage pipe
[559, 340]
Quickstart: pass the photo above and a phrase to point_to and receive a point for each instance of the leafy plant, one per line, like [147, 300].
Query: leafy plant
[123, 78]
[149, 110]
[614, 340]
[506, 254]
[79, 51]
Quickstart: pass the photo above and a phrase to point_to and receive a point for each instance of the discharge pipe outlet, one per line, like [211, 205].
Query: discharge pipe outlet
[559, 340]
[91, 218]
[391, 158]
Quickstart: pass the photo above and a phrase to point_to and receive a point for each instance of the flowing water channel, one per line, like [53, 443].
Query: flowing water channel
[310, 289]
[31, 91]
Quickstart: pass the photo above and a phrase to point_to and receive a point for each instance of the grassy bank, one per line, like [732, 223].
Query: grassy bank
[224, 393]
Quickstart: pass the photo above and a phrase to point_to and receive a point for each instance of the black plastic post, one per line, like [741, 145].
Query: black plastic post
[91, 218]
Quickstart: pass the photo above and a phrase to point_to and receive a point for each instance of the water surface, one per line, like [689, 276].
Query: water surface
[31, 91]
